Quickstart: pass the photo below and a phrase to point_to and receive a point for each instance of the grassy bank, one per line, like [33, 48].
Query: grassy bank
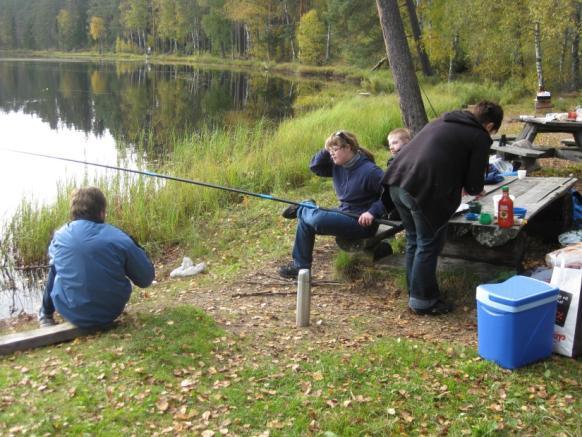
[176, 372]
[335, 72]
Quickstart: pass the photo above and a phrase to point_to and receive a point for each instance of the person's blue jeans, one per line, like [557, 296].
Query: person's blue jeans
[48, 307]
[423, 246]
[314, 221]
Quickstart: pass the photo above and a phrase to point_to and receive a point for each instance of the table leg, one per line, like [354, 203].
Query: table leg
[528, 132]
[578, 138]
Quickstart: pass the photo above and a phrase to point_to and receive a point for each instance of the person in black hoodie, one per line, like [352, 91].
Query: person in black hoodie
[426, 181]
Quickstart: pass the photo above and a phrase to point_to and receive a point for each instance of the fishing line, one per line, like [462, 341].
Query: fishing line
[428, 100]
[202, 184]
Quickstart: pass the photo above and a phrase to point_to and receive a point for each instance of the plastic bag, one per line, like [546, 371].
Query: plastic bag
[500, 164]
[570, 255]
[568, 325]
[188, 268]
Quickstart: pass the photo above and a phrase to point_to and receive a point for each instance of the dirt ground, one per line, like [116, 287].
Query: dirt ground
[262, 305]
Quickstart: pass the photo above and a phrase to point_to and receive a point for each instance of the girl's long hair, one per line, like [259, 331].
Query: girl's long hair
[343, 138]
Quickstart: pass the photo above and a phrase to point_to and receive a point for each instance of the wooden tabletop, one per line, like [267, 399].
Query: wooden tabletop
[532, 193]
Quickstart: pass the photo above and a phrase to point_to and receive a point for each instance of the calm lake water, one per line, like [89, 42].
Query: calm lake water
[98, 112]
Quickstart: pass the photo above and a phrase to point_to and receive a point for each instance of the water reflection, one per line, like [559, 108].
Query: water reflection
[118, 114]
[21, 290]
[140, 103]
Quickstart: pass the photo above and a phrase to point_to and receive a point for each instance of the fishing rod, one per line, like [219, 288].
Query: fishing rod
[203, 184]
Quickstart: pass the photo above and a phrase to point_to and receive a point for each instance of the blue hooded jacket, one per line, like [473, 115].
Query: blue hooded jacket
[358, 187]
[94, 263]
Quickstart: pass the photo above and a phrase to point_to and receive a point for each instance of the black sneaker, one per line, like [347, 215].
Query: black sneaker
[45, 320]
[382, 250]
[289, 271]
[439, 308]
[291, 211]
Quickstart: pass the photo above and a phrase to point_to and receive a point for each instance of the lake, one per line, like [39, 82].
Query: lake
[100, 112]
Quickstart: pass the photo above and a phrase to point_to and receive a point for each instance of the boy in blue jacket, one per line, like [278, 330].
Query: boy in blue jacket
[92, 264]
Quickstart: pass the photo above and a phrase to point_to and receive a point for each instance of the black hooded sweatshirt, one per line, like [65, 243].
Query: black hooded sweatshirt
[447, 155]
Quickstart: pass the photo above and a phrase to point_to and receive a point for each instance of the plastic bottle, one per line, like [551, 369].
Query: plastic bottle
[505, 209]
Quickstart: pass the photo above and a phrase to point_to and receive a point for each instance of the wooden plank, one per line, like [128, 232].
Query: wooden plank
[519, 151]
[570, 153]
[569, 143]
[44, 336]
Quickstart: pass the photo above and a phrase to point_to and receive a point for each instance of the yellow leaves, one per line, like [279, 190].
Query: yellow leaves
[186, 383]
[495, 407]
[408, 418]
[162, 405]
[317, 376]
[275, 424]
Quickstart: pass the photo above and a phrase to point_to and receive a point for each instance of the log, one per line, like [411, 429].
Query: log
[45, 336]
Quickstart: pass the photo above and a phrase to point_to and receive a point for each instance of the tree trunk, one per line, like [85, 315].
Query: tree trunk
[453, 56]
[576, 82]
[327, 42]
[538, 47]
[398, 52]
[288, 22]
[417, 34]
[562, 60]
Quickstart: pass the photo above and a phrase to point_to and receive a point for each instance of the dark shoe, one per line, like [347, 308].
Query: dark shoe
[289, 271]
[45, 320]
[291, 211]
[382, 250]
[439, 308]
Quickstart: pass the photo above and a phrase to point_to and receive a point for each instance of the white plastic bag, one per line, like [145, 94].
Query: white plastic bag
[571, 256]
[500, 164]
[568, 325]
[188, 268]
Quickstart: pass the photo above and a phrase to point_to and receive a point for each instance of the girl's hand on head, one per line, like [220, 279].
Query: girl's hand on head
[366, 219]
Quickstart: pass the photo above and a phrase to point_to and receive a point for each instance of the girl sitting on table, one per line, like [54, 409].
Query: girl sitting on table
[357, 183]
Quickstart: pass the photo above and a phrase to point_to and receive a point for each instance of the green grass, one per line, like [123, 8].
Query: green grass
[175, 369]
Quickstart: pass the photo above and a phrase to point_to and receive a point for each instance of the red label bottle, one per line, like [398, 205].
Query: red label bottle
[505, 209]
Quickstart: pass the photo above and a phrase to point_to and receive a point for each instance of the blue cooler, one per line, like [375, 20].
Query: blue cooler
[515, 321]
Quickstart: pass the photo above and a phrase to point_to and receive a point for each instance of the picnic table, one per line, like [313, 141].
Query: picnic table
[548, 212]
[534, 125]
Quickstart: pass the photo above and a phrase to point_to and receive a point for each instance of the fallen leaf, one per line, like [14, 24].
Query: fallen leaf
[162, 405]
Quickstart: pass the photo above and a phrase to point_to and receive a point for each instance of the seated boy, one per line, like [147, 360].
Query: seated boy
[396, 139]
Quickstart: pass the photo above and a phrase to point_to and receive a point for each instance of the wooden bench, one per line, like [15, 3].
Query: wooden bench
[568, 143]
[372, 245]
[527, 157]
[45, 336]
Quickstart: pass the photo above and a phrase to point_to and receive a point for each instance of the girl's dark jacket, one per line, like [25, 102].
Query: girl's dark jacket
[447, 155]
[357, 187]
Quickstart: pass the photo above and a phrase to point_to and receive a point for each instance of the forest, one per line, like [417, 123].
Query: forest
[476, 38]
